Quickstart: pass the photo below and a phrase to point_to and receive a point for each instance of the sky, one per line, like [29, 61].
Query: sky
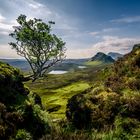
[87, 26]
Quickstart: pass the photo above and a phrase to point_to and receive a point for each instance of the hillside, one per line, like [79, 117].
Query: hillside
[111, 107]
[21, 112]
[102, 58]
[125, 74]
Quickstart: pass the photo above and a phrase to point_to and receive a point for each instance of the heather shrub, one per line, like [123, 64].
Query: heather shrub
[130, 106]
[134, 84]
[89, 111]
[79, 111]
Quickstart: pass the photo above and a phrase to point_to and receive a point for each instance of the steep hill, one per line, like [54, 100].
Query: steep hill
[113, 105]
[102, 57]
[125, 73]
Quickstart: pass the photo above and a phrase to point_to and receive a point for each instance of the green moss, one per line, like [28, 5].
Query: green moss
[12, 91]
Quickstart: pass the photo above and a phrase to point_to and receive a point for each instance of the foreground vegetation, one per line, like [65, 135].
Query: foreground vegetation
[100, 102]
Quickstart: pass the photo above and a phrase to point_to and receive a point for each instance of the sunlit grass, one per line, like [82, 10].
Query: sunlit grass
[53, 98]
[55, 90]
[93, 63]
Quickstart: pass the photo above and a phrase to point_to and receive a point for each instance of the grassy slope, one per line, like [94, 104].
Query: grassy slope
[55, 90]
[93, 63]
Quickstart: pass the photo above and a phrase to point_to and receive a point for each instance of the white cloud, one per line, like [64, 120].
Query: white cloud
[32, 9]
[108, 44]
[6, 49]
[2, 18]
[35, 5]
[127, 19]
[105, 30]
[77, 42]
[78, 53]
[94, 33]
[4, 33]
[6, 27]
[115, 44]
[110, 29]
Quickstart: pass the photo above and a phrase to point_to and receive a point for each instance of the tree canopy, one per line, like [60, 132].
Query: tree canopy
[36, 43]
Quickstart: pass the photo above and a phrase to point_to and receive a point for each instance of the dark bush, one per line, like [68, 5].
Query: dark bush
[131, 107]
[78, 112]
[134, 84]
[115, 83]
[126, 124]
[86, 111]
[35, 121]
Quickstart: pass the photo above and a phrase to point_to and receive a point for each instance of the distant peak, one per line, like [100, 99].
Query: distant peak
[100, 56]
[115, 55]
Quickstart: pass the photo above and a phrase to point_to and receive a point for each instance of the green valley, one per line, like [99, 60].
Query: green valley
[56, 89]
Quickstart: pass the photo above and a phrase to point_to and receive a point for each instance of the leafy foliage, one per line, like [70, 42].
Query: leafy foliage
[23, 135]
[37, 45]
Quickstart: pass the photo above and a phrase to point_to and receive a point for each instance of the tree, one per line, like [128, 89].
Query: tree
[37, 45]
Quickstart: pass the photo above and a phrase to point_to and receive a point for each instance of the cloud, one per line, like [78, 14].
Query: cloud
[94, 33]
[105, 30]
[110, 29]
[35, 5]
[4, 33]
[35, 9]
[78, 53]
[6, 27]
[65, 27]
[127, 19]
[115, 44]
[106, 45]
[4, 49]
[2, 18]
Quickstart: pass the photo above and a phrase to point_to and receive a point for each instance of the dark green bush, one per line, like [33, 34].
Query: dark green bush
[126, 125]
[134, 84]
[131, 107]
[23, 135]
[89, 111]
[79, 112]
[36, 121]
[11, 86]
[19, 112]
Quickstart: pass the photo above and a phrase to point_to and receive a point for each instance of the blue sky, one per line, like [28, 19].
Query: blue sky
[87, 26]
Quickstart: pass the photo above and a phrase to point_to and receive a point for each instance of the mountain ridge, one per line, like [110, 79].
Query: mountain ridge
[100, 56]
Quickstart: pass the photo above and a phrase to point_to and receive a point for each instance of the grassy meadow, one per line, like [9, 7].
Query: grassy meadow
[56, 89]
